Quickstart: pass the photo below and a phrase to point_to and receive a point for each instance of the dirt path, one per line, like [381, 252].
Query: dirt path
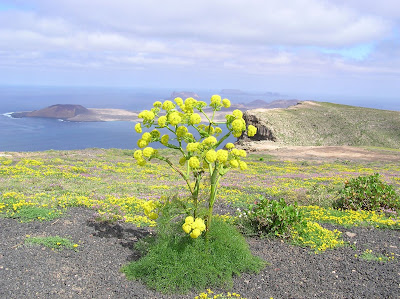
[324, 153]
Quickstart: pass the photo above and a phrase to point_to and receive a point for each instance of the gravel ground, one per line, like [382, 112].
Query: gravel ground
[93, 271]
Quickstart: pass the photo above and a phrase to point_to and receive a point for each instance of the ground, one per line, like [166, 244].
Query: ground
[323, 153]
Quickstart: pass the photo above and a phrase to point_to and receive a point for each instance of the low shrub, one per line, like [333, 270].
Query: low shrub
[52, 242]
[176, 263]
[368, 193]
[271, 217]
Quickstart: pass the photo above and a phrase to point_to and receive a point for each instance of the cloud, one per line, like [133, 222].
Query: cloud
[299, 22]
[226, 37]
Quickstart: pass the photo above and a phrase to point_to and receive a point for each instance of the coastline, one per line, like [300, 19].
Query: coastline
[111, 114]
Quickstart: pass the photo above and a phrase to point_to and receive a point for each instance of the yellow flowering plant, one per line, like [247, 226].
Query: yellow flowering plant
[200, 155]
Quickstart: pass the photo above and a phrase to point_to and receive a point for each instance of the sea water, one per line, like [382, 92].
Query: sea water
[38, 134]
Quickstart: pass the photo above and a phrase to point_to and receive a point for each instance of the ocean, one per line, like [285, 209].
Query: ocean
[39, 134]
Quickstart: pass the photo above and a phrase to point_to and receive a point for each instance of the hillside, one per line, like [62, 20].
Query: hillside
[320, 123]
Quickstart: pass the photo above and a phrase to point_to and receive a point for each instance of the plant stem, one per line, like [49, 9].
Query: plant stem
[195, 194]
[213, 192]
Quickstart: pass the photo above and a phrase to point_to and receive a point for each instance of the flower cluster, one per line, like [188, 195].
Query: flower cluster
[210, 295]
[193, 227]
[199, 154]
[149, 209]
[177, 117]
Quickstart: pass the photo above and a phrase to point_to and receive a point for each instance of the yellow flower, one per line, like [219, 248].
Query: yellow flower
[194, 162]
[181, 131]
[251, 131]
[237, 125]
[218, 131]
[237, 134]
[209, 141]
[243, 165]
[157, 104]
[234, 163]
[195, 233]
[187, 228]
[199, 224]
[75, 245]
[226, 103]
[164, 139]
[174, 118]
[147, 115]
[222, 155]
[155, 133]
[178, 101]
[137, 154]
[142, 143]
[189, 219]
[211, 156]
[237, 114]
[141, 162]
[242, 153]
[192, 147]
[229, 146]
[190, 102]
[153, 216]
[168, 105]
[148, 152]
[195, 119]
[146, 136]
[162, 121]
[138, 128]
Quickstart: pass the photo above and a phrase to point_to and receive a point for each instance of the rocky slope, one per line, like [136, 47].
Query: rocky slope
[319, 123]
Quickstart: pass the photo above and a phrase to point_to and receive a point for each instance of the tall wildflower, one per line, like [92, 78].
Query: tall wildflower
[199, 156]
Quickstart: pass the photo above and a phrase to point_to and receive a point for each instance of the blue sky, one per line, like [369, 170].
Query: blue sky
[349, 47]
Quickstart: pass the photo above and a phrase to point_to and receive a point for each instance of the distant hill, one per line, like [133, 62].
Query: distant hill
[320, 123]
[271, 105]
[184, 95]
[243, 93]
[79, 113]
[59, 111]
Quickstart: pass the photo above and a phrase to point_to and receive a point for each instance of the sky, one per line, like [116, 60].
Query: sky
[349, 47]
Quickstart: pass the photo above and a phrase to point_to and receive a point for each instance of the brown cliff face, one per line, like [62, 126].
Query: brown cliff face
[59, 111]
[263, 132]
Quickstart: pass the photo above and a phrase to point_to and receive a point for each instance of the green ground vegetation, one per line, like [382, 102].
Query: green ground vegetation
[52, 242]
[42, 185]
[323, 123]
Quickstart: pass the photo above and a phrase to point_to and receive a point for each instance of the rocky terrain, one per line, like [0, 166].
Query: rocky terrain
[324, 124]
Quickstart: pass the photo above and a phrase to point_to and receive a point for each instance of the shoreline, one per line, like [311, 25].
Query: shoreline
[111, 114]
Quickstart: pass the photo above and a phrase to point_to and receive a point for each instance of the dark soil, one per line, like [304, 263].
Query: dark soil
[29, 271]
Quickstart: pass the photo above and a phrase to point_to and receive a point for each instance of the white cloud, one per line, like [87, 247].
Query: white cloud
[298, 22]
[305, 37]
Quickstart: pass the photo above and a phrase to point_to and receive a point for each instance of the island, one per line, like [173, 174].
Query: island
[78, 113]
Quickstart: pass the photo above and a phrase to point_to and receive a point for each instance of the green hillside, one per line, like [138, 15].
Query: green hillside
[321, 123]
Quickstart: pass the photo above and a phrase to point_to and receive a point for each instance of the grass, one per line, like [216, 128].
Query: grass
[52, 242]
[322, 123]
[369, 255]
[100, 179]
[175, 263]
